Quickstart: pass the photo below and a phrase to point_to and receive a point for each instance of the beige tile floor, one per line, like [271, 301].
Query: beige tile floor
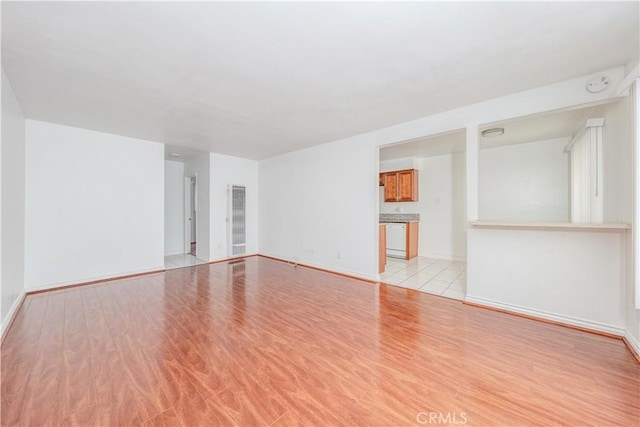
[435, 276]
[179, 261]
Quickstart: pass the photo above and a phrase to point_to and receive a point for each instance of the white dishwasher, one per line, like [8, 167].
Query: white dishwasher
[397, 239]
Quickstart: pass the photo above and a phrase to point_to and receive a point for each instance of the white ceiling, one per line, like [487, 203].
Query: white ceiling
[559, 124]
[259, 79]
[178, 153]
[438, 145]
[541, 127]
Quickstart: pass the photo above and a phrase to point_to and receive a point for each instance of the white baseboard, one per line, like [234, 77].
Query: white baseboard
[11, 315]
[92, 279]
[232, 258]
[560, 318]
[633, 342]
[330, 269]
[445, 257]
[174, 253]
[372, 278]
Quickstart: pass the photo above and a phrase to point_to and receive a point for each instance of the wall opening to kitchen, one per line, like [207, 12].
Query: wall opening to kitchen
[423, 220]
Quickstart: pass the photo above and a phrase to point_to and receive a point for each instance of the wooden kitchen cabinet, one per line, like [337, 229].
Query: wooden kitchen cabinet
[400, 186]
[390, 182]
[412, 239]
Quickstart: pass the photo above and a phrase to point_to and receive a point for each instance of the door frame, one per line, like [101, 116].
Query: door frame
[187, 211]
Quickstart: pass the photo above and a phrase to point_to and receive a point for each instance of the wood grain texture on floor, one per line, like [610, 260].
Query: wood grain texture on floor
[259, 342]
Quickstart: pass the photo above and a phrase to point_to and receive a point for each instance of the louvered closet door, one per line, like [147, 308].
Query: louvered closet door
[238, 220]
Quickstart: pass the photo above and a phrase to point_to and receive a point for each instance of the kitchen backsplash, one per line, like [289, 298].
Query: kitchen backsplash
[399, 217]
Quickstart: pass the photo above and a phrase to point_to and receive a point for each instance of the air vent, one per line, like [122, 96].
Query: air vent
[238, 220]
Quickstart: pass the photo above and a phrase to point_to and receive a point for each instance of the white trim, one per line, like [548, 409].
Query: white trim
[628, 80]
[444, 257]
[575, 139]
[13, 311]
[369, 277]
[596, 122]
[568, 320]
[114, 276]
[330, 269]
[233, 258]
[633, 342]
[175, 253]
[396, 253]
[635, 249]
[472, 149]
[188, 217]
[586, 226]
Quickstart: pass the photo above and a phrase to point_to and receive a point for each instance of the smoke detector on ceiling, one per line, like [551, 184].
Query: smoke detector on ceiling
[597, 84]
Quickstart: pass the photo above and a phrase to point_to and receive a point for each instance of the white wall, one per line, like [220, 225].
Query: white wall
[199, 166]
[632, 313]
[225, 171]
[443, 220]
[324, 199]
[526, 182]
[173, 207]
[441, 205]
[320, 201]
[94, 205]
[94, 208]
[2, 142]
[575, 277]
[399, 164]
[617, 158]
[13, 205]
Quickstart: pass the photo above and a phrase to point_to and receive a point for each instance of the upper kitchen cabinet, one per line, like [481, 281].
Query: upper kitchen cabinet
[400, 186]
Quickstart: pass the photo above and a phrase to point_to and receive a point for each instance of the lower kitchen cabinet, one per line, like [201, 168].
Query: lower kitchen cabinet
[412, 239]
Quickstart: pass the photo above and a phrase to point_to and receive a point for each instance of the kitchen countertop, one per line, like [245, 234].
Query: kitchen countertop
[399, 217]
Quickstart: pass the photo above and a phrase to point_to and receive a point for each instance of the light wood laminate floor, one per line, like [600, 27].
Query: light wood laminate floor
[259, 342]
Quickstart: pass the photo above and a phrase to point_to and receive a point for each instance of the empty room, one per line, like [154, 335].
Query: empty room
[320, 213]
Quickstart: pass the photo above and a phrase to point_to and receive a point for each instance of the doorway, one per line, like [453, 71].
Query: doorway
[186, 242]
[190, 215]
[424, 226]
[190, 227]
